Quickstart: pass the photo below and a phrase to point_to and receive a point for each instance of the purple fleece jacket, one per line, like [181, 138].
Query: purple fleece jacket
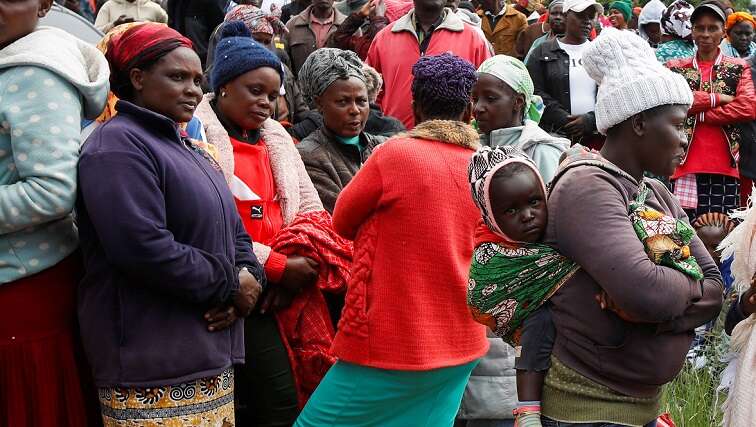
[589, 223]
[162, 242]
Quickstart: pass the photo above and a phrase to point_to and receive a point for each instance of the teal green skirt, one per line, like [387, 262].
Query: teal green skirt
[353, 395]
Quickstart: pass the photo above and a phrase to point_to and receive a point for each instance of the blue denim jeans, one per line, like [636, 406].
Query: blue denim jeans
[548, 422]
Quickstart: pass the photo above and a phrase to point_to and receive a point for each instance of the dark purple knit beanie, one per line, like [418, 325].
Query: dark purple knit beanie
[442, 84]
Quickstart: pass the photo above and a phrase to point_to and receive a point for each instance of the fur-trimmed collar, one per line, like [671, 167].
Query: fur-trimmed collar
[272, 131]
[447, 131]
[294, 188]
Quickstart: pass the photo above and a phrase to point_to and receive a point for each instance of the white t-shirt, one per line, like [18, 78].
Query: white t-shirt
[582, 86]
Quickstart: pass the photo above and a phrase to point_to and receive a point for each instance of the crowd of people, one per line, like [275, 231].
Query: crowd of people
[373, 212]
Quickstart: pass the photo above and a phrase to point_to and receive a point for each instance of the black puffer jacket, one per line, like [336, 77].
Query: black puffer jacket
[196, 19]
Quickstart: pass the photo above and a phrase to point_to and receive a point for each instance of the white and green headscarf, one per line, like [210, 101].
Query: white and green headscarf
[514, 73]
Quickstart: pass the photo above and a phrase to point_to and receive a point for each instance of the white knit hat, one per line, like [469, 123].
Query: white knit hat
[630, 78]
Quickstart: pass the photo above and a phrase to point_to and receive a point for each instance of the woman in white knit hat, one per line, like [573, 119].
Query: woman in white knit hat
[624, 324]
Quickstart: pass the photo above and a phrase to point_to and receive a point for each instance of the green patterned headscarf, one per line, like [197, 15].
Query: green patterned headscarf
[514, 73]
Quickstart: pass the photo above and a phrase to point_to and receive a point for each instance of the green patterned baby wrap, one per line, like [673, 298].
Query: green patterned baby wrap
[507, 284]
[665, 239]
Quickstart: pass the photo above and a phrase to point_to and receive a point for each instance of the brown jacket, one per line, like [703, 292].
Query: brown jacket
[528, 36]
[589, 223]
[300, 41]
[504, 35]
[331, 165]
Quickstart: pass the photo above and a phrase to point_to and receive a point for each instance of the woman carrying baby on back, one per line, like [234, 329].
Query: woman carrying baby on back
[628, 279]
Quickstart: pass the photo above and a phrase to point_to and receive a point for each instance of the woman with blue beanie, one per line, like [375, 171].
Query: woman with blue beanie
[272, 190]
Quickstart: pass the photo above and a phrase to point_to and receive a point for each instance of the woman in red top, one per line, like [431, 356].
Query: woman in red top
[406, 342]
[271, 189]
[708, 180]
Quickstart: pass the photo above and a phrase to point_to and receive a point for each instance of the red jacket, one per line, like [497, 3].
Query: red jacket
[730, 76]
[396, 49]
[412, 219]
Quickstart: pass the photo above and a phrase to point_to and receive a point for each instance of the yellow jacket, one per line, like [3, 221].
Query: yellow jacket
[504, 35]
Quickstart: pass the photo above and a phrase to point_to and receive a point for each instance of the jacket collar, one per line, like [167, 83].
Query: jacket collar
[451, 22]
[149, 119]
[446, 131]
[530, 134]
[366, 142]
[303, 19]
[507, 11]
[552, 46]
[276, 138]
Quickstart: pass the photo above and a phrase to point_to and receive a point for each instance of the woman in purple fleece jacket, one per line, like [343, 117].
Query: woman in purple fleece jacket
[624, 324]
[169, 266]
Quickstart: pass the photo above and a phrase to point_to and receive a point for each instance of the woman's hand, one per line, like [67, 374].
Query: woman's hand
[244, 302]
[575, 127]
[748, 300]
[299, 272]
[725, 99]
[249, 291]
[277, 298]
[221, 318]
[123, 19]
[606, 303]
[369, 8]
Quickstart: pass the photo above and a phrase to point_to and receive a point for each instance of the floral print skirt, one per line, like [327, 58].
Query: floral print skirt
[203, 402]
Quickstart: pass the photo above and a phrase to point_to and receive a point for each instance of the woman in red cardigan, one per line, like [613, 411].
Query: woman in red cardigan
[406, 342]
[708, 178]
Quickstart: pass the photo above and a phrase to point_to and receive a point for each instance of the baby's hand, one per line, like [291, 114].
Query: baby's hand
[606, 303]
[748, 300]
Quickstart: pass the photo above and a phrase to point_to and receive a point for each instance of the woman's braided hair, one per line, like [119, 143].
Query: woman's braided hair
[714, 219]
[442, 85]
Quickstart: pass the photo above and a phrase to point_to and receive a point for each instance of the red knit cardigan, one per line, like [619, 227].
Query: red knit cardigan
[411, 215]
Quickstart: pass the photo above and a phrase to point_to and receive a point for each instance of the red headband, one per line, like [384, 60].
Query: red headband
[141, 44]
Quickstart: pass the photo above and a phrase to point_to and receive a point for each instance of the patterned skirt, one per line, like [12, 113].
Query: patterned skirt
[203, 402]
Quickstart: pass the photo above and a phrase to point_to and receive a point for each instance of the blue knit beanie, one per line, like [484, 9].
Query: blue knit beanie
[237, 53]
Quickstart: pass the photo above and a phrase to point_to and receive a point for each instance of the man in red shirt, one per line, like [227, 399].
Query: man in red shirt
[428, 29]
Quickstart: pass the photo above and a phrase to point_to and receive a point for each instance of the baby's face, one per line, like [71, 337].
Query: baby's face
[519, 205]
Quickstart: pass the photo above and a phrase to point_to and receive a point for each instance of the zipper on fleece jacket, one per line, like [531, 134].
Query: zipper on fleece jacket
[215, 187]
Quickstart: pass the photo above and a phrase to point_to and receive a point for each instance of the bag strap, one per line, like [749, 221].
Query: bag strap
[580, 156]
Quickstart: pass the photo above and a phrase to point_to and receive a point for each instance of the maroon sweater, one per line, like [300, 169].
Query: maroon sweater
[589, 223]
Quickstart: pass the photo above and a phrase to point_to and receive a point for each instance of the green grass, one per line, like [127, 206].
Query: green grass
[692, 398]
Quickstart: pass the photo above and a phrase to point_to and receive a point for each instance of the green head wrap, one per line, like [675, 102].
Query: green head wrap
[514, 73]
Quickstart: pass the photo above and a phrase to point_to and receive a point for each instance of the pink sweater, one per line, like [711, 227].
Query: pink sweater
[412, 219]
[396, 49]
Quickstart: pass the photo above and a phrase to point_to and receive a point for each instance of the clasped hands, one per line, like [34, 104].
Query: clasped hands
[299, 273]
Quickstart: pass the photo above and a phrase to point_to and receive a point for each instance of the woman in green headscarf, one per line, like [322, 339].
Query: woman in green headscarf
[620, 14]
[507, 113]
